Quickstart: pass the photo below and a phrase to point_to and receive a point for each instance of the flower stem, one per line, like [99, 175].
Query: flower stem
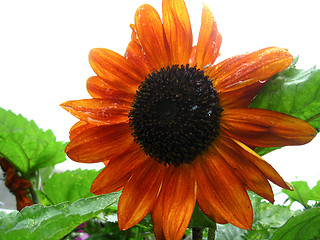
[212, 233]
[197, 233]
[35, 198]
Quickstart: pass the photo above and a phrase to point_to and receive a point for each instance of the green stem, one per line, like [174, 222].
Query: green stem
[212, 233]
[35, 198]
[197, 233]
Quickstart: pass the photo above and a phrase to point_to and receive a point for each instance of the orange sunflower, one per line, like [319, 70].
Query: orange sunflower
[174, 129]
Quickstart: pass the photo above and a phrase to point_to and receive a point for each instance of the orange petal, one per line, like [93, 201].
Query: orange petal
[240, 78]
[136, 56]
[209, 40]
[157, 210]
[247, 171]
[265, 128]
[117, 173]
[98, 111]
[222, 189]
[178, 31]
[179, 201]
[115, 70]
[140, 193]
[152, 37]
[211, 212]
[78, 128]
[264, 166]
[99, 143]
[97, 88]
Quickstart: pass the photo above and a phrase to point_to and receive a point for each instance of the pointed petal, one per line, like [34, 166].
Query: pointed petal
[178, 31]
[157, 210]
[136, 56]
[140, 193]
[99, 111]
[207, 209]
[247, 171]
[179, 201]
[209, 40]
[151, 35]
[264, 166]
[115, 70]
[78, 128]
[265, 128]
[117, 173]
[223, 190]
[97, 88]
[241, 78]
[99, 143]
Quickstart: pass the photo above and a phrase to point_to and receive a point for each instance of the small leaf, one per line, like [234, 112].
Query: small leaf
[300, 194]
[26, 146]
[294, 92]
[53, 222]
[315, 192]
[303, 227]
[69, 185]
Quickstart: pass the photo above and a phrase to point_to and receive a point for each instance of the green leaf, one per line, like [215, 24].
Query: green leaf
[303, 227]
[295, 92]
[300, 194]
[69, 185]
[314, 194]
[26, 146]
[53, 222]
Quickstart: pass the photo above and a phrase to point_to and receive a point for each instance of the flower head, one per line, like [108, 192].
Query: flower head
[174, 129]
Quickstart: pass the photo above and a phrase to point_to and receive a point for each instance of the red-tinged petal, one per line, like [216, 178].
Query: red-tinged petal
[140, 193]
[265, 128]
[99, 143]
[179, 201]
[246, 170]
[152, 37]
[97, 88]
[78, 128]
[100, 111]
[136, 56]
[257, 160]
[207, 209]
[239, 79]
[209, 40]
[177, 28]
[115, 70]
[223, 190]
[157, 210]
[117, 173]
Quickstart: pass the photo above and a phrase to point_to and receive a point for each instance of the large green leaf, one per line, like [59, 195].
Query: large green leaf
[295, 92]
[69, 185]
[27, 146]
[53, 222]
[305, 226]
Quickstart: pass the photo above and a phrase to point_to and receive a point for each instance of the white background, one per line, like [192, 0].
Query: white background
[44, 48]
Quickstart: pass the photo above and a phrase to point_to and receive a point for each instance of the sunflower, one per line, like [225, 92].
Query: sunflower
[174, 129]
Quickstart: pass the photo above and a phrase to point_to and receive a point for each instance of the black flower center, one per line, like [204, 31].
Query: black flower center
[175, 114]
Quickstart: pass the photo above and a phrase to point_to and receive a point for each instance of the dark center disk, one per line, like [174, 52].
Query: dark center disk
[175, 114]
